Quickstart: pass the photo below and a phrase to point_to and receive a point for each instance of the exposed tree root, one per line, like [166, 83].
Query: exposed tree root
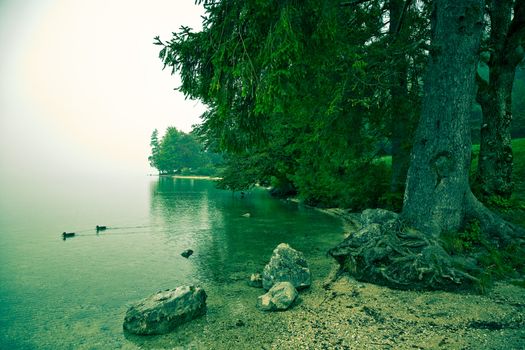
[389, 253]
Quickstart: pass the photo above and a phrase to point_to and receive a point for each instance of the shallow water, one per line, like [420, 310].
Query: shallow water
[73, 294]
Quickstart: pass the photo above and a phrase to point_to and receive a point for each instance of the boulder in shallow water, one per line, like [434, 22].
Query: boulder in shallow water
[280, 297]
[286, 265]
[162, 312]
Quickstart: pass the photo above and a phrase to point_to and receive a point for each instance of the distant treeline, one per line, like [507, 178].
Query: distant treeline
[181, 153]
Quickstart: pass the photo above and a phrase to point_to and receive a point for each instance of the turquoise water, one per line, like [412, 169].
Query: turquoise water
[73, 294]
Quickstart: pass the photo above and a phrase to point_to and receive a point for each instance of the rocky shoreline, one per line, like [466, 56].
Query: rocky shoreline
[353, 315]
[342, 313]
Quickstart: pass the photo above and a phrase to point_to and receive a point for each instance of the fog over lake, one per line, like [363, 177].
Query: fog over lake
[82, 88]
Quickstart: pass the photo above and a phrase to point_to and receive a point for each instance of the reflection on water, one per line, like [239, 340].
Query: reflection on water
[73, 294]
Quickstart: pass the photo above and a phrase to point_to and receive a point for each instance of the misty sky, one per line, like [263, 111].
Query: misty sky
[82, 87]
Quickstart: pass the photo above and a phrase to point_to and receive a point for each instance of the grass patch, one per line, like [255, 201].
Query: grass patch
[519, 283]
[493, 262]
[458, 243]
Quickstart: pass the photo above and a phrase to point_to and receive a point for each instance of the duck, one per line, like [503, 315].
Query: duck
[101, 228]
[68, 234]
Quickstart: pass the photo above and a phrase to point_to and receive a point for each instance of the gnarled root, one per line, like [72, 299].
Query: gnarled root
[397, 256]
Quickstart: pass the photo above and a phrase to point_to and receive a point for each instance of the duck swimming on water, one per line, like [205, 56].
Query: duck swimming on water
[68, 234]
[101, 228]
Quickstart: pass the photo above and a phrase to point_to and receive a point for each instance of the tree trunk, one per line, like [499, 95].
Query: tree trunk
[495, 97]
[437, 182]
[495, 155]
[437, 196]
[401, 116]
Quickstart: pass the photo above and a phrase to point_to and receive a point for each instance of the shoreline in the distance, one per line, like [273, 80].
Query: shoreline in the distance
[196, 177]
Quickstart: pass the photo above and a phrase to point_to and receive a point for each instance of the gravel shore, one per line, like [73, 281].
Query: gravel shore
[348, 314]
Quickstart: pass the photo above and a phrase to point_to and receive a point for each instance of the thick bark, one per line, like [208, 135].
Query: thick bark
[401, 116]
[495, 97]
[387, 249]
[437, 181]
[495, 157]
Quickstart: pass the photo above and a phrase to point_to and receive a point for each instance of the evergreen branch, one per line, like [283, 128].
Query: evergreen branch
[247, 55]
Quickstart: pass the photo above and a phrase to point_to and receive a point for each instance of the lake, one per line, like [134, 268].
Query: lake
[74, 293]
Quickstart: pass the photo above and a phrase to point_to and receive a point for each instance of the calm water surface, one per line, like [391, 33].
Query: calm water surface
[73, 294]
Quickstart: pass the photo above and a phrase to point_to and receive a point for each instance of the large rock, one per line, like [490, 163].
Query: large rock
[160, 313]
[286, 265]
[280, 297]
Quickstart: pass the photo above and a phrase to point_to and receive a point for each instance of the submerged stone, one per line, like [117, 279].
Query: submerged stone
[255, 280]
[162, 312]
[187, 253]
[286, 265]
[280, 297]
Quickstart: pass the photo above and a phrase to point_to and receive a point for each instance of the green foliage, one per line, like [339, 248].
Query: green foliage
[356, 185]
[503, 204]
[299, 86]
[239, 174]
[178, 152]
[303, 89]
[519, 283]
[494, 262]
[155, 149]
[501, 263]
[471, 238]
